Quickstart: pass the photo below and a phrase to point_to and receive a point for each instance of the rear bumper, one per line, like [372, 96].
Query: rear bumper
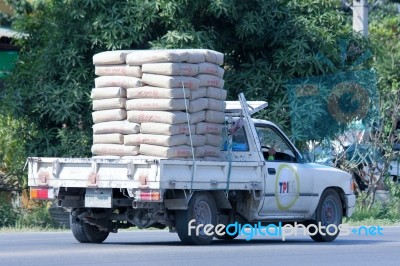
[350, 204]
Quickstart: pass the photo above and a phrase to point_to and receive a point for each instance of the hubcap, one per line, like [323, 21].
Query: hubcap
[330, 213]
[202, 214]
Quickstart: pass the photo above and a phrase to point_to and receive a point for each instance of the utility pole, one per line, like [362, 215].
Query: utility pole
[360, 16]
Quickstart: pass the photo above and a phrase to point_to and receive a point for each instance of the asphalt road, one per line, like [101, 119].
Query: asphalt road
[163, 248]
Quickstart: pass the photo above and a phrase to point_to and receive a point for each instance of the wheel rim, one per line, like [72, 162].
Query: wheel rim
[202, 215]
[330, 213]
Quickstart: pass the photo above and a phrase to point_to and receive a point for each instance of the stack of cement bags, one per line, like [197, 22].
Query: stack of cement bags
[109, 101]
[179, 105]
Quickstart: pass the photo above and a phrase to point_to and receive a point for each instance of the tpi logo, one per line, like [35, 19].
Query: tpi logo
[287, 187]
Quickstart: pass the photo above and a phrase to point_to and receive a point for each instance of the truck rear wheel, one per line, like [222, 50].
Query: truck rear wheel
[227, 236]
[203, 210]
[86, 233]
[329, 214]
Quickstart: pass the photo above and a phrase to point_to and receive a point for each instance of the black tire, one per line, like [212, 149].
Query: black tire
[329, 212]
[202, 208]
[86, 233]
[226, 236]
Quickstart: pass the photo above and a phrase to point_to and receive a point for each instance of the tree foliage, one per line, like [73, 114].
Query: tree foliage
[265, 42]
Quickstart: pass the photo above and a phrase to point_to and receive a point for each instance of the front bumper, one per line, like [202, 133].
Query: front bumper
[350, 204]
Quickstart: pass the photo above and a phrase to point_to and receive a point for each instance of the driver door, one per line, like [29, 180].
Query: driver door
[288, 184]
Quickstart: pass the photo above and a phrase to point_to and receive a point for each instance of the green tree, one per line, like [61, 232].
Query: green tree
[265, 42]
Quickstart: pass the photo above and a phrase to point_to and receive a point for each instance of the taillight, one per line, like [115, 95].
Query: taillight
[147, 195]
[42, 193]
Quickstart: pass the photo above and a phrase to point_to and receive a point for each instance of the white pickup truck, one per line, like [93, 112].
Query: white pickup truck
[245, 185]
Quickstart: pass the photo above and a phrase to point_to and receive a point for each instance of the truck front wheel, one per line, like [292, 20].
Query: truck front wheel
[329, 216]
[86, 233]
[196, 224]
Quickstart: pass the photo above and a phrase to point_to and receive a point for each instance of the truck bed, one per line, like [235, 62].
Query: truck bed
[241, 172]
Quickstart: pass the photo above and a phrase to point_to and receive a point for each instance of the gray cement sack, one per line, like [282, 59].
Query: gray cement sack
[117, 81]
[198, 105]
[109, 115]
[181, 151]
[157, 104]
[208, 128]
[213, 140]
[168, 117]
[215, 116]
[159, 140]
[118, 70]
[157, 93]
[122, 127]
[141, 57]
[108, 139]
[210, 81]
[107, 93]
[198, 93]
[166, 129]
[212, 56]
[216, 93]
[170, 81]
[196, 140]
[110, 57]
[211, 69]
[216, 105]
[197, 117]
[207, 151]
[171, 69]
[115, 149]
[107, 104]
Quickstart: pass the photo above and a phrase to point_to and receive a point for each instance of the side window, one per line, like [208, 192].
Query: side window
[271, 140]
[239, 140]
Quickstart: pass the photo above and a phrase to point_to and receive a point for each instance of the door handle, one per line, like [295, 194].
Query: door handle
[271, 171]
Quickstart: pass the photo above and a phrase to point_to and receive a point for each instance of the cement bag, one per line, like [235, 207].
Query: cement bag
[109, 115]
[108, 139]
[208, 128]
[171, 81]
[172, 69]
[107, 93]
[198, 93]
[198, 105]
[118, 70]
[210, 81]
[212, 56]
[141, 57]
[214, 140]
[107, 104]
[197, 117]
[115, 149]
[195, 56]
[168, 117]
[122, 127]
[117, 81]
[110, 57]
[207, 151]
[196, 140]
[215, 116]
[157, 104]
[160, 140]
[216, 105]
[184, 151]
[216, 93]
[166, 129]
[157, 93]
[211, 69]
